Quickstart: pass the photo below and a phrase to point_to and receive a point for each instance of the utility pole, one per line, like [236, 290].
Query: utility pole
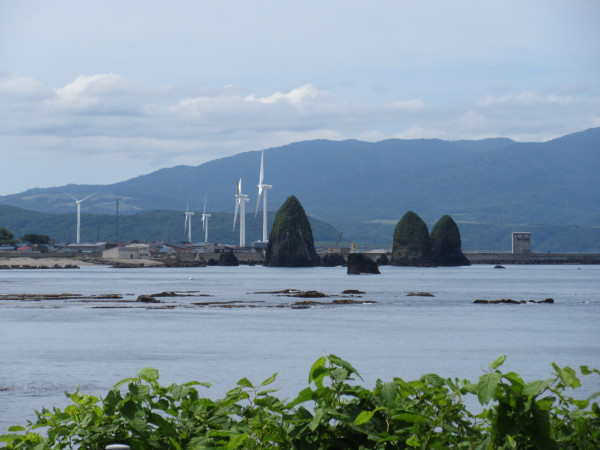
[117, 223]
[98, 230]
[166, 223]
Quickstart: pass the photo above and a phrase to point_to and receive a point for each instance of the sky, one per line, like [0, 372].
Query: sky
[96, 92]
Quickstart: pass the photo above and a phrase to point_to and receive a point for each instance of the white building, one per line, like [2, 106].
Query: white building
[130, 251]
[521, 242]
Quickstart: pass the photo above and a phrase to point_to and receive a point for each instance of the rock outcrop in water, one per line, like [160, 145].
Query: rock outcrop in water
[333, 260]
[411, 246]
[446, 245]
[291, 241]
[228, 259]
[360, 263]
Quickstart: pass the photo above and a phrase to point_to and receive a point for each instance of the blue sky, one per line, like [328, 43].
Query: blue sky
[94, 92]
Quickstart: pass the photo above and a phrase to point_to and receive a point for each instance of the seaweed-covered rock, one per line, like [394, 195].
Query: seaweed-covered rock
[228, 259]
[446, 245]
[411, 245]
[291, 241]
[360, 263]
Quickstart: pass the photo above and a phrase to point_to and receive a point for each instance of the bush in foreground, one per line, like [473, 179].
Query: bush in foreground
[332, 413]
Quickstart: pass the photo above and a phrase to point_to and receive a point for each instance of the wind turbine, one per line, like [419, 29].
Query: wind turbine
[262, 188]
[205, 217]
[240, 201]
[188, 223]
[78, 203]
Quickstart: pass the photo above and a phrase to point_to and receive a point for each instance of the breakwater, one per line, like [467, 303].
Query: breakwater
[533, 258]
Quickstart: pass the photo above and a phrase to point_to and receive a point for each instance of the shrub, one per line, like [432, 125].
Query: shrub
[333, 412]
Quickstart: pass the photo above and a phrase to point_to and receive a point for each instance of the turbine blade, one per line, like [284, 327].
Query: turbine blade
[258, 200]
[71, 196]
[239, 187]
[262, 168]
[83, 199]
[204, 212]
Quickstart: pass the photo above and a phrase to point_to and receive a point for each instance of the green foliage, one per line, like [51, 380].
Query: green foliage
[36, 238]
[6, 237]
[333, 412]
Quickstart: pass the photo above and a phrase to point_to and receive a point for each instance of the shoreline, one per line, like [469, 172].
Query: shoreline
[59, 263]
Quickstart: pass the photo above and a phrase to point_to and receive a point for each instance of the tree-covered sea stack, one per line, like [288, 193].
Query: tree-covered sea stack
[446, 245]
[411, 245]
[291, 241]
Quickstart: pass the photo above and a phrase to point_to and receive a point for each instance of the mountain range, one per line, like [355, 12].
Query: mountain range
[363, 188]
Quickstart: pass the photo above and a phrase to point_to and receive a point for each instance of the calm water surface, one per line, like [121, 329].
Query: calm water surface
[47, 347]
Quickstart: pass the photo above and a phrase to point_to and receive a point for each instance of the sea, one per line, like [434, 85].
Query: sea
[228, 323]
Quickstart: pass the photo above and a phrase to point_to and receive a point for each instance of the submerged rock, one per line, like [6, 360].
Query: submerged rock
[291, 241]
[446, 244]
[411, 246]
[360, 263]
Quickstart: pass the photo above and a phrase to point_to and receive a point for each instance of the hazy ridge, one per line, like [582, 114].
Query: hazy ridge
[362, 188]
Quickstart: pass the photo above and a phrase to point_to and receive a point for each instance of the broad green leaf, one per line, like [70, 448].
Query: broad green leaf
[339, 374]
[514, 378]
[269, 380]
[486, 388]
[317, 372]
[345, 364]
[497, 362]
[304, 395]
[124, 381]
[366, 416]
[568, 376]
[314, 424]
[245, 382]
[434, 379]
[267, 391]
[388, 393]
[197, 383]
[148, 374]
[17, 428]
[536, 387]
[585, 370]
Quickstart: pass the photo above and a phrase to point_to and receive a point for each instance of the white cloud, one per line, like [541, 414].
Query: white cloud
[107, 127]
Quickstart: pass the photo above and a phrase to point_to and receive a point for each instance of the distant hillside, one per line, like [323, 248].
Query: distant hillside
[143, 226]
[357, 185]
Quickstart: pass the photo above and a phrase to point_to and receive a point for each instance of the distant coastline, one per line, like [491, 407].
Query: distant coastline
[43, 261]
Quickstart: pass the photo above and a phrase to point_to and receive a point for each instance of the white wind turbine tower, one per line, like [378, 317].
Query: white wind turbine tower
[240, 201]
[262, 188]
[78, 203]
[188, 223]
[205, 217]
